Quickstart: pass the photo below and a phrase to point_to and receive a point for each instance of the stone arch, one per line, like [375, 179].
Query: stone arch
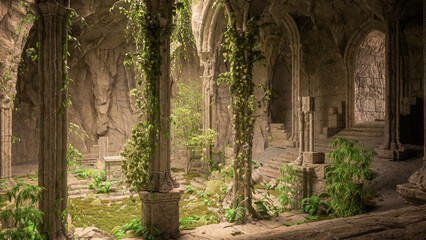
[293, 37]
[349, 59]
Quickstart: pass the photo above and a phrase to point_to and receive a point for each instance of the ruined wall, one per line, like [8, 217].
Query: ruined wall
[370, 79]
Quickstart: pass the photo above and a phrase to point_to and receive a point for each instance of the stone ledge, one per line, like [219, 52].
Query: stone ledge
[411, 194]
[313, 157]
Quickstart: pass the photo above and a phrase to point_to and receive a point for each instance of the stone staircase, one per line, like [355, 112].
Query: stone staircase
[278, 135]
[369, 136]
[271, 169]
[79, 188]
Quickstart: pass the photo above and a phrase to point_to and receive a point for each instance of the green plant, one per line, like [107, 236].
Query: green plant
[349, 169]
[288, 186]
[312, 204]
[23, 213]
[187, 122]
[189, 188]
[231, 213]
[82, 173]
[265, 206]
[136, 226]
[100, 185]
[74, 156]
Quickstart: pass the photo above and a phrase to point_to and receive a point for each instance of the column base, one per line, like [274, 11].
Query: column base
[161, 210]
[313, 157]
[411, 194]
[394, 154]
[291, 143]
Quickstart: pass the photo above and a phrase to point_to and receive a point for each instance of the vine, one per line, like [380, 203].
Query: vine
[182, 39]
[242, 51]
[144, 26]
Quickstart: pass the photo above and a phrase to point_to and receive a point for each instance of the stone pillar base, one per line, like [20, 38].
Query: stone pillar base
[313, 157]
[411, 194]
[161, 210]
[393, 155]
[291, 143]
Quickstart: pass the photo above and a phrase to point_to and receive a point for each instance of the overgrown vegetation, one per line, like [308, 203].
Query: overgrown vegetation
[348, 171]
[22, 213]
[289, 186]
[187, 123]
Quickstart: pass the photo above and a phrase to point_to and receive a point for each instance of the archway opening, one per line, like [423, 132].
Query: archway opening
[369, 82]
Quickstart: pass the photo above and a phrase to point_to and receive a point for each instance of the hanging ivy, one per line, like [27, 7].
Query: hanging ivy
[182, 39]
[241, 52]
[144, 26]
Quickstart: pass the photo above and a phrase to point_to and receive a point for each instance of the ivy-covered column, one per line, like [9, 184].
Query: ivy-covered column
[52, 168]
[5, 138]
[147, 152]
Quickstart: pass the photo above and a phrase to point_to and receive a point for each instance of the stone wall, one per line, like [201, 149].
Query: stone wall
[370, 79]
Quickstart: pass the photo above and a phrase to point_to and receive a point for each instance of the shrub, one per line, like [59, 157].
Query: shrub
[348, 171]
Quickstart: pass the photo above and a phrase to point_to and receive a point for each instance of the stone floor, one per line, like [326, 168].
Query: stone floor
[405, 223]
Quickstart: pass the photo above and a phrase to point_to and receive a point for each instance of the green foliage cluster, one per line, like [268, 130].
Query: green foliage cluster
[23, 214]
[288, 187]
[135, 225]
[100, 184]
[312, 205]
[349, 169]
[187, 122]
[182, 39]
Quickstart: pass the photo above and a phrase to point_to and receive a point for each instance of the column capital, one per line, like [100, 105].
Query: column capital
[51, 9]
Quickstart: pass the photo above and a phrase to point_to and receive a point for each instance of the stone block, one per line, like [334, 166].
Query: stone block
[161, 210]
[411, 194]
[313, 157]
[113, 167]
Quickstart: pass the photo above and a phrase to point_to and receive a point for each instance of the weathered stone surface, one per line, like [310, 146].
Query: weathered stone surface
[161, 210]
[313, 157]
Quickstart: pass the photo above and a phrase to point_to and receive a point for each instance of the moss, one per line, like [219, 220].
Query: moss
[85, 214]
[177, 170]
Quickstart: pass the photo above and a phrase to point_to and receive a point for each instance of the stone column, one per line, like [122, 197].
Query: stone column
[52, 166]
[392, 148]
[160, 206]
[295, 94]
[5, 139]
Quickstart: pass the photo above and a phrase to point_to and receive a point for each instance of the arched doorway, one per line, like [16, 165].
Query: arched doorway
[369, 79]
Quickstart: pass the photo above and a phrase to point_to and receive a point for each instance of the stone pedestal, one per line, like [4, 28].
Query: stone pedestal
[113, 167]
[161, 210]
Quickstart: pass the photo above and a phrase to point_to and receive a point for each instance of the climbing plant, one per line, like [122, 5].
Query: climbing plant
[241, 52]
[182, 39]
[148, 35]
